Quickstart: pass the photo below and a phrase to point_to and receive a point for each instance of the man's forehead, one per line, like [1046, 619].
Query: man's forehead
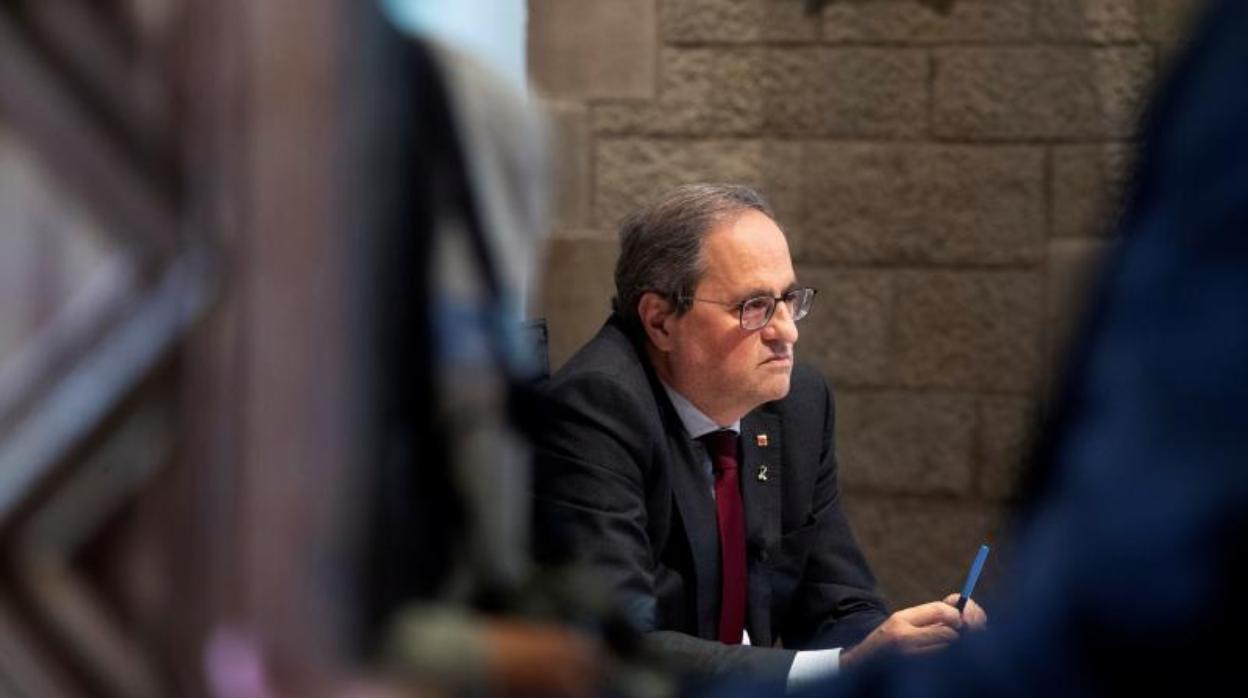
[748, 254]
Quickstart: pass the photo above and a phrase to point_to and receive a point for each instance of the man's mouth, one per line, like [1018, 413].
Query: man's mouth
[780, 358]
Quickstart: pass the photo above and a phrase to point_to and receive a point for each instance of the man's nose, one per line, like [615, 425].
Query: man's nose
[781, 328]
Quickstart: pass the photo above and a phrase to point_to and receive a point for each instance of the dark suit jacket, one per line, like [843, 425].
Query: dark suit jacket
[620, 483]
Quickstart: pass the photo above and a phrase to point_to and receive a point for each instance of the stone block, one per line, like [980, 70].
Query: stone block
[909, 443]
[1089, 20]
[1006, 431]
[780, 183]
[577, 284]
[846, 92]
[920, 549]
[1042, 92]
[785, 91]
[846, 333]
[570, 166]
[1088, 185]
[736, 21]
[923, 203]
[631, 172]
[968, 330]
[579, 50]
[702, 92]
[1073, 266]
[911, 22]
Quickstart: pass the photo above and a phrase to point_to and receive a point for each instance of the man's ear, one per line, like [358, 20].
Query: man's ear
[656, 313]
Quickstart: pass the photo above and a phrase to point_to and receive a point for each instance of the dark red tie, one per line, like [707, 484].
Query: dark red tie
[722, 447]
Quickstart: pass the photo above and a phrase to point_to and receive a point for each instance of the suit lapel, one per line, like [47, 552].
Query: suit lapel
[760, 490]
[692, 490]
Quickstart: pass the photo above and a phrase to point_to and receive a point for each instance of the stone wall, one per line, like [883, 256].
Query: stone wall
[946, 182]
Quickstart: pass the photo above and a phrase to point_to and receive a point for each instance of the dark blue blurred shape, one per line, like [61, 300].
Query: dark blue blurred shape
[1134, 554]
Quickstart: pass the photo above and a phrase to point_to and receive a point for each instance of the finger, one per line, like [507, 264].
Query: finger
[975, 616]
[914, 638]
[931, 640]
[932, 635]
[936, 612]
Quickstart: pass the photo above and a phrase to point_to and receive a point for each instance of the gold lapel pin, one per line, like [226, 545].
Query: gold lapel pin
[761, 440]
[762, 473]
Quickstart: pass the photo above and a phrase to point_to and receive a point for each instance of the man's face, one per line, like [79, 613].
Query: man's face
[722, 369]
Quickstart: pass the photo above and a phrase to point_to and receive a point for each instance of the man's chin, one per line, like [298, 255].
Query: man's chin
[777, 387]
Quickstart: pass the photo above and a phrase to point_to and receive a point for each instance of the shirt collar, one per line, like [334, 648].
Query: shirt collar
[696, 423]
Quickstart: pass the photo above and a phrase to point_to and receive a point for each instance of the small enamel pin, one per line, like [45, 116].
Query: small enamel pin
[762, 473]
[761, 440]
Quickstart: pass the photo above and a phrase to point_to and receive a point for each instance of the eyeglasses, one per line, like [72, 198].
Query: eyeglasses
[756, 312]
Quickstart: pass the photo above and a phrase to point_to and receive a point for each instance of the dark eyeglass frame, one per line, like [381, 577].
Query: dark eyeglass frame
[799, 305]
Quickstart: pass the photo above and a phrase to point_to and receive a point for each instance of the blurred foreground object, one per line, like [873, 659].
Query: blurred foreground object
[103, 110]
[452, 183]
[179, 484]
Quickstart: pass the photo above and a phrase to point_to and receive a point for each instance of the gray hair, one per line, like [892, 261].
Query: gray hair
[661, 243]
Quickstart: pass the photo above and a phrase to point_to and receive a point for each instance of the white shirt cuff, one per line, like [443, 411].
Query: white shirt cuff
[810, 666]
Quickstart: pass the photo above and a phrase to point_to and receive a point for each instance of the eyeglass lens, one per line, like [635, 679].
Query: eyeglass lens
[756, 312]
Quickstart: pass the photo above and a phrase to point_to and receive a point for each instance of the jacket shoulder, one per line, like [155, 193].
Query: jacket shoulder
[606, 383]
[609, 358]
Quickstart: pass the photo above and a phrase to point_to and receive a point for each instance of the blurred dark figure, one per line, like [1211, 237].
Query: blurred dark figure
[451, 189]
[1134, 554]
[451, 167]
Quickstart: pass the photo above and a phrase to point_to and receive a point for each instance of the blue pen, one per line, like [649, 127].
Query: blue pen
[976, 568]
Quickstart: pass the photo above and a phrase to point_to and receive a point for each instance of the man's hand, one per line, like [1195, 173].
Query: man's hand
[973, 615]
[915, 630]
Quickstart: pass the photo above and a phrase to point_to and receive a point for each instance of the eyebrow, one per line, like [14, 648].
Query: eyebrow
[760, 291]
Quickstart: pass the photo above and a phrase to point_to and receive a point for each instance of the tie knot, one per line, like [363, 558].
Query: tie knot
[722, 447]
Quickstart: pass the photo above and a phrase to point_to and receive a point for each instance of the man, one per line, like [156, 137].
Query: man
[692, 462]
